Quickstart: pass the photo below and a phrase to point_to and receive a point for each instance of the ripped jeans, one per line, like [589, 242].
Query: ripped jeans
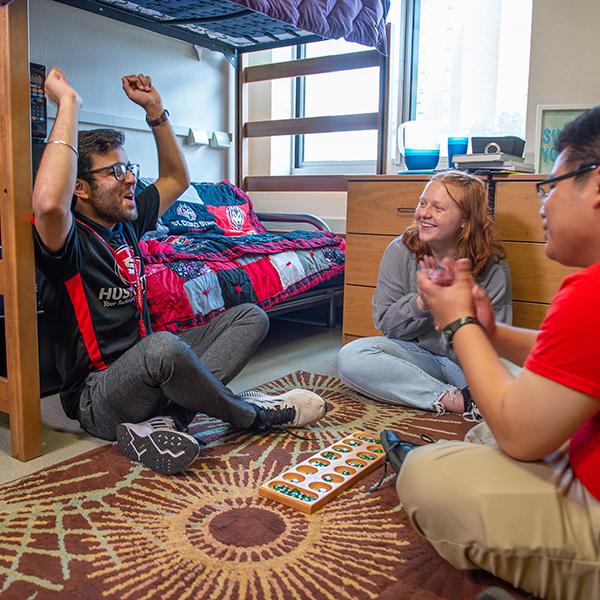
[398, 372]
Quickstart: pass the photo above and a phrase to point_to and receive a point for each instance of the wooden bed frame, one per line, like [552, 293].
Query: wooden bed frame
[20, 389]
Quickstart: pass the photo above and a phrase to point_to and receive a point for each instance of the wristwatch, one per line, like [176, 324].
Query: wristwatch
[450, 329]
[162, 118]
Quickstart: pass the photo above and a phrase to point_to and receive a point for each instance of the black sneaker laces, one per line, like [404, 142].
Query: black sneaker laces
[283, 415]
[386, 460]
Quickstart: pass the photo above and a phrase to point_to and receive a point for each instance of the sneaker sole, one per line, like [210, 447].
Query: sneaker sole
[164, 451]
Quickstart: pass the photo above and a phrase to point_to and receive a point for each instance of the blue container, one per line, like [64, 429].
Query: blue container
[419, 160]
[456, 145]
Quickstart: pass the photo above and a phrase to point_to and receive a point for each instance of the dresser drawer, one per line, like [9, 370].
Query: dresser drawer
[517, 212]
[529, 314]
[363, 255]
[373, 208]
[534, 277]
[358, 311]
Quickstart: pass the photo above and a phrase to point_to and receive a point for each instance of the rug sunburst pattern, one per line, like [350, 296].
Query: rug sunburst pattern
[103, 527]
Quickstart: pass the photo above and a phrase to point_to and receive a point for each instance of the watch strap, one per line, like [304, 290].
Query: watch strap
[450, 329]
[162, 118]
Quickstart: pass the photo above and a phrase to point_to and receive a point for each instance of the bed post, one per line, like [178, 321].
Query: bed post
[20, 390]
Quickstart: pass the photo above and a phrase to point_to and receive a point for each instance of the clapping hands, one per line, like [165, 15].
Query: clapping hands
[450, 292]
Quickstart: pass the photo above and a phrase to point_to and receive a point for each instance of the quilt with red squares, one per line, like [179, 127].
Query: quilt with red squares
[211, 252]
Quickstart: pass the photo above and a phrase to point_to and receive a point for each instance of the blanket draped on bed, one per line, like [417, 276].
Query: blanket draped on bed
[210, 252]
[361, 21]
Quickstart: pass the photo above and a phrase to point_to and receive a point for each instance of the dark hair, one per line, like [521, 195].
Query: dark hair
[478, 240]
[580, 140]
[95, 141]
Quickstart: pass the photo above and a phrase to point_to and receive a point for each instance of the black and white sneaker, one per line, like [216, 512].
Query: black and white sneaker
[295, 408]
[158, 444]
[471, 412]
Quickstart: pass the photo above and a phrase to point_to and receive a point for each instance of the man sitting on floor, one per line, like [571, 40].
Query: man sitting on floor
[521, 496]
[120, 380]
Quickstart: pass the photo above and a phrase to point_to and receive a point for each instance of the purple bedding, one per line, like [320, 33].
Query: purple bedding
[361, 21]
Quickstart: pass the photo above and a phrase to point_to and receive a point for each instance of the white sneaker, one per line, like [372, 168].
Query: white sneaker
[295, 408]
[158, 444]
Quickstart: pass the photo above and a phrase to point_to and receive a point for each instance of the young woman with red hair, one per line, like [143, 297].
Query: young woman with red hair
[410, 364]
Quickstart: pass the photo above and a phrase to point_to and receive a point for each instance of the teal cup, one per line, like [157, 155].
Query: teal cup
[421, 160]
[456, 145]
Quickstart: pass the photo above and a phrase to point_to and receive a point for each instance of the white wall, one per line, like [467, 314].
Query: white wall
[565, 47]
[95, 52]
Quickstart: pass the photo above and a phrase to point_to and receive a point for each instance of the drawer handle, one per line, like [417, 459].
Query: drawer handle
[405, 209]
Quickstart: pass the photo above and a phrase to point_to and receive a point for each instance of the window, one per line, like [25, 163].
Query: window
[470, 66]
[341, 93]
[466, 65]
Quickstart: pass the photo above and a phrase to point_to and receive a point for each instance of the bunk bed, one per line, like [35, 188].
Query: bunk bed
[231, 27]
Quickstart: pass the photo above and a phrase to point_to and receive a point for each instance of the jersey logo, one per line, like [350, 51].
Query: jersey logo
[132, 263]
[236, 217]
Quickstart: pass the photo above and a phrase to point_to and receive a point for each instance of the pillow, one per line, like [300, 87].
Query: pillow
[230, 207]
[187, 217]
[213, 207]
[187, 214]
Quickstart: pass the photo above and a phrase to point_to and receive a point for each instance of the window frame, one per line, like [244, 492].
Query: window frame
[407, 62]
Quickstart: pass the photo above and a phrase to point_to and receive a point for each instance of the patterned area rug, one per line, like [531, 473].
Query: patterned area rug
[101, 526]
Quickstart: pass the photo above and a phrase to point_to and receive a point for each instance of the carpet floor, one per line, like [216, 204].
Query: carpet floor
[100, 526]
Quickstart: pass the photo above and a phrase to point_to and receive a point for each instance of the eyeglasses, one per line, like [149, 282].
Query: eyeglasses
[120, 170]
[544, 189]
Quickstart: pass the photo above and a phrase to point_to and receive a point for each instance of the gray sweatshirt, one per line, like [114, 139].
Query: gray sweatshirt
[395, 310]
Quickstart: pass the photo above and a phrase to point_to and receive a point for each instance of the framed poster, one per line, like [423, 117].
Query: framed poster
[550, 119]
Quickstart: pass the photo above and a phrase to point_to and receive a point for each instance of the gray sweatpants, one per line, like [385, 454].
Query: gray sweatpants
[177, 374]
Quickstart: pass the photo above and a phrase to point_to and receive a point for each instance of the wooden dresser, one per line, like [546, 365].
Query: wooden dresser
[381, 206]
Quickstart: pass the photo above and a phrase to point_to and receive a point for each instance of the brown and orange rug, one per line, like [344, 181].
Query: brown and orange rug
[100, 526]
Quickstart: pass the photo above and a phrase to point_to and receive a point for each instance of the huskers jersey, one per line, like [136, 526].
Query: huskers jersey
[91, 304]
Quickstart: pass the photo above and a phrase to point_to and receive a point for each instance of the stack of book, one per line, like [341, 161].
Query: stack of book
[492, 162]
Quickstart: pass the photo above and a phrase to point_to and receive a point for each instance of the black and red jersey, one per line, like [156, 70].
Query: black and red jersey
[91, 304]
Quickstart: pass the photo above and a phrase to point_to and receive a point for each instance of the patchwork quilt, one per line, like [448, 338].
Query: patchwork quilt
[211, 252]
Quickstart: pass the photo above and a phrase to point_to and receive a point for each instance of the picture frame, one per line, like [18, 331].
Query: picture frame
[550, 119]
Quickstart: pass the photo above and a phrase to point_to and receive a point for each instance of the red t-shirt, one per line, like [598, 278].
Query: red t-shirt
[567, 352]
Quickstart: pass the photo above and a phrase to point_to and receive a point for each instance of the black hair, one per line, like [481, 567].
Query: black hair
[580, 140]
[96, 141]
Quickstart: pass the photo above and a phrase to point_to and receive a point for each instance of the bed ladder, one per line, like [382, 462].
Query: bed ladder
[246, 130]
[20, 389]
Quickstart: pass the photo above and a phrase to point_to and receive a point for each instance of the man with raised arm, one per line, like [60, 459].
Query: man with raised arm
[520, 497]
[120, 380]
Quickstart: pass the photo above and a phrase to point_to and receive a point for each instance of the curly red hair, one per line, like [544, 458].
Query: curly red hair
[478, 239]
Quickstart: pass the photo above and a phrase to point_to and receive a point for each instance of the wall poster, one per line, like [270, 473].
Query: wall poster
[550, 119]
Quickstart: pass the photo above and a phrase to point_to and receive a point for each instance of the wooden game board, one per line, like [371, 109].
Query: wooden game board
[315, 481]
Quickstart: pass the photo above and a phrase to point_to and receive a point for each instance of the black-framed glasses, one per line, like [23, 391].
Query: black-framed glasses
[120, 170]
[544, 189]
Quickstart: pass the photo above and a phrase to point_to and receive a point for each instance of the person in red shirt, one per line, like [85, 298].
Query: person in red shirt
[520, 497]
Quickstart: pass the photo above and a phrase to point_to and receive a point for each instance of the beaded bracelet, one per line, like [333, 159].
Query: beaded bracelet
[65, 144]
